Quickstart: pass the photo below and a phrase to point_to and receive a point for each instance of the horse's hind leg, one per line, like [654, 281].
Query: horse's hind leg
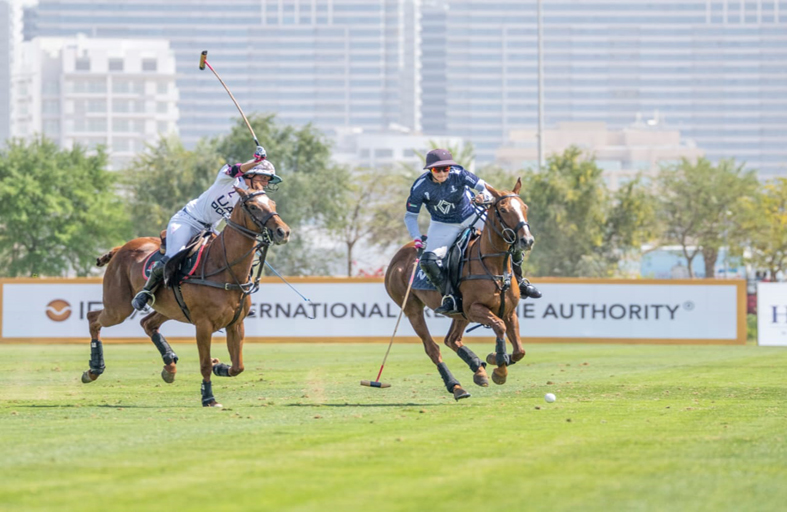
[415, 314]
[454, 341]
[97, 320]
[151, 325]
[482, 314]
[235, 335]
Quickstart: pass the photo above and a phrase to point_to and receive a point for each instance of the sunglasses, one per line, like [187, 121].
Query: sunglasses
[437, 170]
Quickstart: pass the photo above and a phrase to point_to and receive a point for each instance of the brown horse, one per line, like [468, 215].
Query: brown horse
[221, 303]
[488, 296]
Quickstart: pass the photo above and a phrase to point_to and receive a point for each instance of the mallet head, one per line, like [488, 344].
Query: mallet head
[202, 59]
[375, 384]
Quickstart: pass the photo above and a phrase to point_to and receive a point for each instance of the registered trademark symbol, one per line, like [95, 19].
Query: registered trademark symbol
[688, 305]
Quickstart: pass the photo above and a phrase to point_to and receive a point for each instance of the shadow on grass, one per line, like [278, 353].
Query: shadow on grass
[409, 404]
[92, 406]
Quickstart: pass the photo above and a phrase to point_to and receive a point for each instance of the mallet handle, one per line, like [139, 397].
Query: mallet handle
[203, 61]
[396, 328]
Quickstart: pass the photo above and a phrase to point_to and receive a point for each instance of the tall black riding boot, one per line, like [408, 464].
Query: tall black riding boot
[148, 292]
[431, 267]
[525, 288]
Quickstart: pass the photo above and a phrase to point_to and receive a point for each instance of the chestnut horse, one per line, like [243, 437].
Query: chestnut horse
[489, 295]
[222, 302]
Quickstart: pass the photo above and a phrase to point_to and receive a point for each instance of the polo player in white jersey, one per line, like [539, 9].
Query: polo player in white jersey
[207, 211]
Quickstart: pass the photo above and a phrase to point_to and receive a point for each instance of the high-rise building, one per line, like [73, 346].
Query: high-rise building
[10, 38]
[116, 93]
[716, 70]
[334, 63]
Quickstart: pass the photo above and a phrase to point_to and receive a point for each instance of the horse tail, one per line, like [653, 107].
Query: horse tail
[104, 259]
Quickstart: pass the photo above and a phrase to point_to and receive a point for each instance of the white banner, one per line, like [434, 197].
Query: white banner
[772, 314]
[346, 309]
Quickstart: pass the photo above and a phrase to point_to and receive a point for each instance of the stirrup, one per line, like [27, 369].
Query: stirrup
[149, 302]
[447, 306]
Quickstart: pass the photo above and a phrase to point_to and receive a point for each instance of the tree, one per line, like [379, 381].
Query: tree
[313, 196]
[374, 211]
[59, 209]
[763, 225]
[166, 177]
[697, 204]
[581, 229]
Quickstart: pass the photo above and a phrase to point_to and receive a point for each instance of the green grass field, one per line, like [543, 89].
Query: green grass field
[634, 427]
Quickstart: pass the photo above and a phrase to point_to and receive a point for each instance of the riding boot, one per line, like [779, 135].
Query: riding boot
[431, 267]
[525, 288]
[148, 292]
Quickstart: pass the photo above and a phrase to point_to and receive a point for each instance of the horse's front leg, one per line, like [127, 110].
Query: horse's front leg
[235, 335]
[512, 331]
[482, 314]
[204, 335]
[454, 341]
[151, 325]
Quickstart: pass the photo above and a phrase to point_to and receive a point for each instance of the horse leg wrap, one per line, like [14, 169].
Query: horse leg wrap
[448, 378]
[96, 357]
[470, 358]
[207, 393]
[163, 347]
[221, 370]
[500, 353]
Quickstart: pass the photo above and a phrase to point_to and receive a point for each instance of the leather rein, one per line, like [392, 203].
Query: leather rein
[263, 241]
[509, 237]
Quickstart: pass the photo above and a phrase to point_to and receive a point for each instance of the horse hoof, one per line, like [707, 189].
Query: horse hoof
[213, 403]
[169, 377]
[481, 378]
[500, 375]
[491, 359]
[88, 377]
[214, 361]
[517, 356]
[460, 393]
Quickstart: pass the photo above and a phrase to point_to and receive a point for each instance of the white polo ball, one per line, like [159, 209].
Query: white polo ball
[549, 397]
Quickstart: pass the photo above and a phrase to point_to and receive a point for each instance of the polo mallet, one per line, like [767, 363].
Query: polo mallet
[376, 383]
[291, 287]
[203, 61]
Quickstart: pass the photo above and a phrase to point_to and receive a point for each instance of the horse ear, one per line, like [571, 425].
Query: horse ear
[493, 191]
[241, 192]
[518, 186]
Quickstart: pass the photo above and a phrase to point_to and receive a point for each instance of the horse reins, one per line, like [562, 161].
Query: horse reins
[263, 240]
[510, 240]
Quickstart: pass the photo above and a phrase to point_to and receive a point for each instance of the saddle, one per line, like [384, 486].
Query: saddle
[184, 263]
[454, 262]
[452, 265]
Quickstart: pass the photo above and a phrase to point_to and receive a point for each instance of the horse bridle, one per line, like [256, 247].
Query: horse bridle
[264, 231]
[508, 234]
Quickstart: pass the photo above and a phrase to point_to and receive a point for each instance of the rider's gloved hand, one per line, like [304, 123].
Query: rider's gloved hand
[259, 154]
[419, 245]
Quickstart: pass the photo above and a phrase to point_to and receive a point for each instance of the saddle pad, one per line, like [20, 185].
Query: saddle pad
[421, 282]
[187, 268]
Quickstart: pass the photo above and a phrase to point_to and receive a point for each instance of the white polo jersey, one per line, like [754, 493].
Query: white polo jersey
[218, 201]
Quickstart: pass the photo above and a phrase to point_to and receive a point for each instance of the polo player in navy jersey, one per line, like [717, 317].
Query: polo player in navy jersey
[445, 189]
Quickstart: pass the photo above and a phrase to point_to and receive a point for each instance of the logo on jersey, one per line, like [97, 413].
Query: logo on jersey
[453, 188]
[444, 206]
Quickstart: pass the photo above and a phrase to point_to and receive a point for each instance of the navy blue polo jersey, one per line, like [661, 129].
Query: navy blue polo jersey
[447, 202]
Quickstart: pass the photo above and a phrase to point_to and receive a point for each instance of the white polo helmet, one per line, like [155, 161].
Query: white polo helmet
[265, 168]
